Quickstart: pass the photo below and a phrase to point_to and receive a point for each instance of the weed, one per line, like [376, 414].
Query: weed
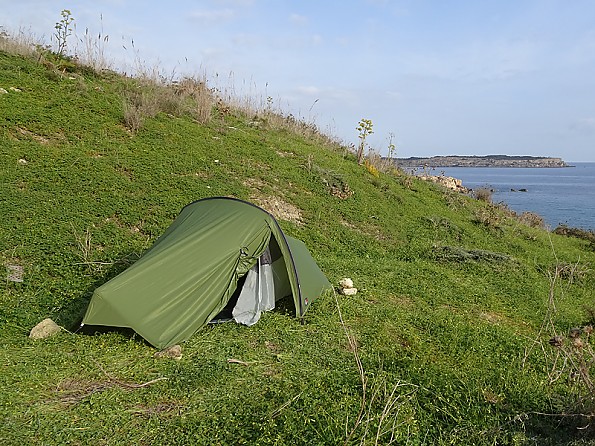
[532, 220]
[19, 43]
[365, 128]
[575, 232]
[335, 183]
[375, 394]
[372, 168]
[392, 148]
[570, 272]
[572, 363]
[407, 181]
[63, 31]
[92, 53]
[488, 216]
[483, 194]
[138, 106]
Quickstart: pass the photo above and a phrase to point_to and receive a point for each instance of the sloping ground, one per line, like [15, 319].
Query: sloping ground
[446, 342]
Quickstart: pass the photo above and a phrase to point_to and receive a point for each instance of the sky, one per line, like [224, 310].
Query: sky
[475, 77]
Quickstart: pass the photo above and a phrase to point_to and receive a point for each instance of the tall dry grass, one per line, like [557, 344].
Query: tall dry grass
[152, 91]
[21, 42]
[90, 51]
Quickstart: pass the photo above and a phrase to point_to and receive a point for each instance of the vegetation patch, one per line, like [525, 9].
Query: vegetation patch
[577, 233]
[280, 209]
[447, 340]
[458, 254]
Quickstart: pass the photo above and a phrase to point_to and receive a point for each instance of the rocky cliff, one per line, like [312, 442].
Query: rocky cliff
[481, 161]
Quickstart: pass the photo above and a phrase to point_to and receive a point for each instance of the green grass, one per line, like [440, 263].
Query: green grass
[453, 291]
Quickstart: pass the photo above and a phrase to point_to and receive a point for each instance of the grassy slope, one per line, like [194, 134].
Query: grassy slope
[442, 340]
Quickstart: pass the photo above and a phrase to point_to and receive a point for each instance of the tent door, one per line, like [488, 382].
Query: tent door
[258, 292]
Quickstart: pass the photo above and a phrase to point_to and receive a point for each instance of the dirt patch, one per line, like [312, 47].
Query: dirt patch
[125, 172]
[348, 225]
[402, 300]
[492, 318]
[341, 191]
[39, 138]
[280, 209]
[274, 348]
[20, 133]
[366, 229]
[254, 183]
[14, 271]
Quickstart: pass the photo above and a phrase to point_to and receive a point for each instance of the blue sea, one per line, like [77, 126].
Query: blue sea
[563, 195]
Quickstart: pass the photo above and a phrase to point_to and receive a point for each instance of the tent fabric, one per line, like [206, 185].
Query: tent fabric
[188, 276]
[257, 295]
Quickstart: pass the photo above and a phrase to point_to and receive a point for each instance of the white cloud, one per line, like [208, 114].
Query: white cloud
[213, 15]
[335, 95]
[317, 39]
[584, 124]
[583, 49]
[394, 94]
[298, 19]
[308, 90]
[495, 60]
[247, 39]
[236, 2]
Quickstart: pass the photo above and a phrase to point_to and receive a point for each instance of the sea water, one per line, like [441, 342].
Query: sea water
[564, 195]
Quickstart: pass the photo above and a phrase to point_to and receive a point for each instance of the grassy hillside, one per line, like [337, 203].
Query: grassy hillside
[446, 342]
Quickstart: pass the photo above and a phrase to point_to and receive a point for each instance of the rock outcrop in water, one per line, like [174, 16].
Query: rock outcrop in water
[480, 161]
[448, 182]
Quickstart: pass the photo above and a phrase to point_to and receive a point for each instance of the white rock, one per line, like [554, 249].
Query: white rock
[174, 352]
[346, 283]
[44, 329]
[348, 291]
[448, 182]
[3, 91]
[15, 89]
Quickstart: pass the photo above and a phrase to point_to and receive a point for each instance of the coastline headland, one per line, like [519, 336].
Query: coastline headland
[481, 161]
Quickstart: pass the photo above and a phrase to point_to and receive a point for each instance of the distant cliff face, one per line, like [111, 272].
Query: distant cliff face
[481, 161]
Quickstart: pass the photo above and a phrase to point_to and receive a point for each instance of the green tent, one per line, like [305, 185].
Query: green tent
[218, 253]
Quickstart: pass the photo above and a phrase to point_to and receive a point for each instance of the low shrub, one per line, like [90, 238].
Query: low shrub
[575, 232]
[489, 217]
[483, 194]
[532, 219]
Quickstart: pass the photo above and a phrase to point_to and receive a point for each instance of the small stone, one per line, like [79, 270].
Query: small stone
[346, 283]
[15, 89]
[22, 161]
[173, 352]
[15, 273]
[44, 329]
[348, 291]
[557, 341]
[3, 91]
